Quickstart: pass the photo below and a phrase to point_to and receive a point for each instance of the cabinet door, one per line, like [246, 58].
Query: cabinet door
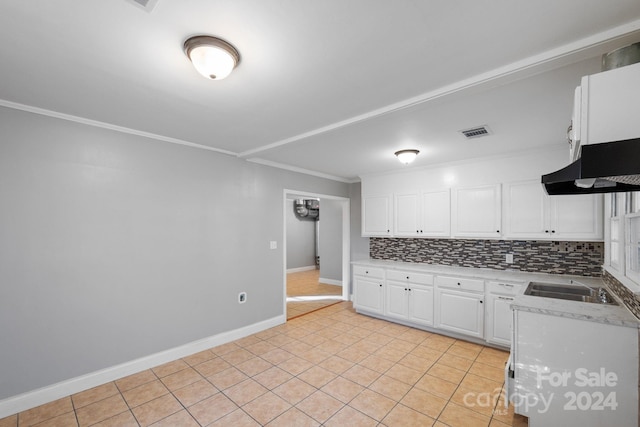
[460, 312]
[421, 305]
[499, 319]
[436, 213]
[368, 295]
[405, 218]
[609, 107]
[376, 216]
[396, 304]
[524, 210]
[476, 211]
[576, 217]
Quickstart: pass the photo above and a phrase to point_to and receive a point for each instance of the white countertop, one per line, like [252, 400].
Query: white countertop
[601, 313]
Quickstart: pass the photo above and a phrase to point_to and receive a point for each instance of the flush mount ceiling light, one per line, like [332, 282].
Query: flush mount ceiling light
[406, 156]
[212, 57]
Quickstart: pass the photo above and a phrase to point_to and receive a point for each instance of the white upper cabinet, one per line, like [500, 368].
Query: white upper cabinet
[576, 217]
[407, 215]
[376, 215]
[597, 120]
[476, 211]
[525, 208]
[503, 205]
[422, 214]
[436, 213]
[530, 213]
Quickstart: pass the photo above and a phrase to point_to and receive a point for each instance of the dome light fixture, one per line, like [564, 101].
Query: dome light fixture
[406, 156]
[212, 57]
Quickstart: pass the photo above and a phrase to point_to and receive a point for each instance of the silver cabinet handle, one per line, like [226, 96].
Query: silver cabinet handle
[505, 298]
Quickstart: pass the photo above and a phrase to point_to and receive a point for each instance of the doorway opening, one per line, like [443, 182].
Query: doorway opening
[316, 251]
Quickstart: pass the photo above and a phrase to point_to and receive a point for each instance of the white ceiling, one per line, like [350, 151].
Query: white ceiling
[333, 87]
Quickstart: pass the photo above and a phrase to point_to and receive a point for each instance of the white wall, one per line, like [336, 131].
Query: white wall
[359, 244]
[301, 240]
[330, 239]
[513, 167]
[114, 246]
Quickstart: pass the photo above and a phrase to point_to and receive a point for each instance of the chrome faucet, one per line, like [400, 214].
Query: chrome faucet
[602, 295]
[592, 291]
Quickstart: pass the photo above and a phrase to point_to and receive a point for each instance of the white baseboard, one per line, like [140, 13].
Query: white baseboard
[330, 282]
[31, 399]
[299, 269]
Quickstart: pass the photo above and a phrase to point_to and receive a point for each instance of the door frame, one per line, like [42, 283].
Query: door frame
[345, 204]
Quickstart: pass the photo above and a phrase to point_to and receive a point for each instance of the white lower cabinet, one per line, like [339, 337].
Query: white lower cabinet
[460, 305]
[499, 318]
[461, 312]
[368, 289]
[409, 296]
[455, 304]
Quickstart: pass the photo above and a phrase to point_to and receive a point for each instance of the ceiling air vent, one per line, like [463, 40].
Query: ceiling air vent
[147, 5]
[476, 132]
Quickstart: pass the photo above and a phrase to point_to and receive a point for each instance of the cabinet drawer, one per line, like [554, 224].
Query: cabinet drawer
[473, 285]
[376, 272]
[410, 276]
[505, 288]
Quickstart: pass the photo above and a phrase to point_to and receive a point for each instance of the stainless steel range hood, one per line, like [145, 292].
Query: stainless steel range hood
[602, 168]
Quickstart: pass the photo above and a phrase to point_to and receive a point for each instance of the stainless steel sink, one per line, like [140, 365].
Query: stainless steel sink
[570, 292]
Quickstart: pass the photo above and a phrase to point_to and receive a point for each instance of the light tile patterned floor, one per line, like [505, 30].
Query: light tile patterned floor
[332, 367]
[304, 284]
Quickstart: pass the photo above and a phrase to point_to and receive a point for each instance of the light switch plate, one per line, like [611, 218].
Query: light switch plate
[509, 259]
[273, 244]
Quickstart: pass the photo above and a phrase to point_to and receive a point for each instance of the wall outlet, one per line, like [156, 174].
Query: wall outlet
[509, 259]
[273, 244]
[242, 297]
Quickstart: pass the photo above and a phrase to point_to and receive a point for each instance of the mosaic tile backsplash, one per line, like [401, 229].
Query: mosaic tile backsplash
[576, 258]
[629, 299]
